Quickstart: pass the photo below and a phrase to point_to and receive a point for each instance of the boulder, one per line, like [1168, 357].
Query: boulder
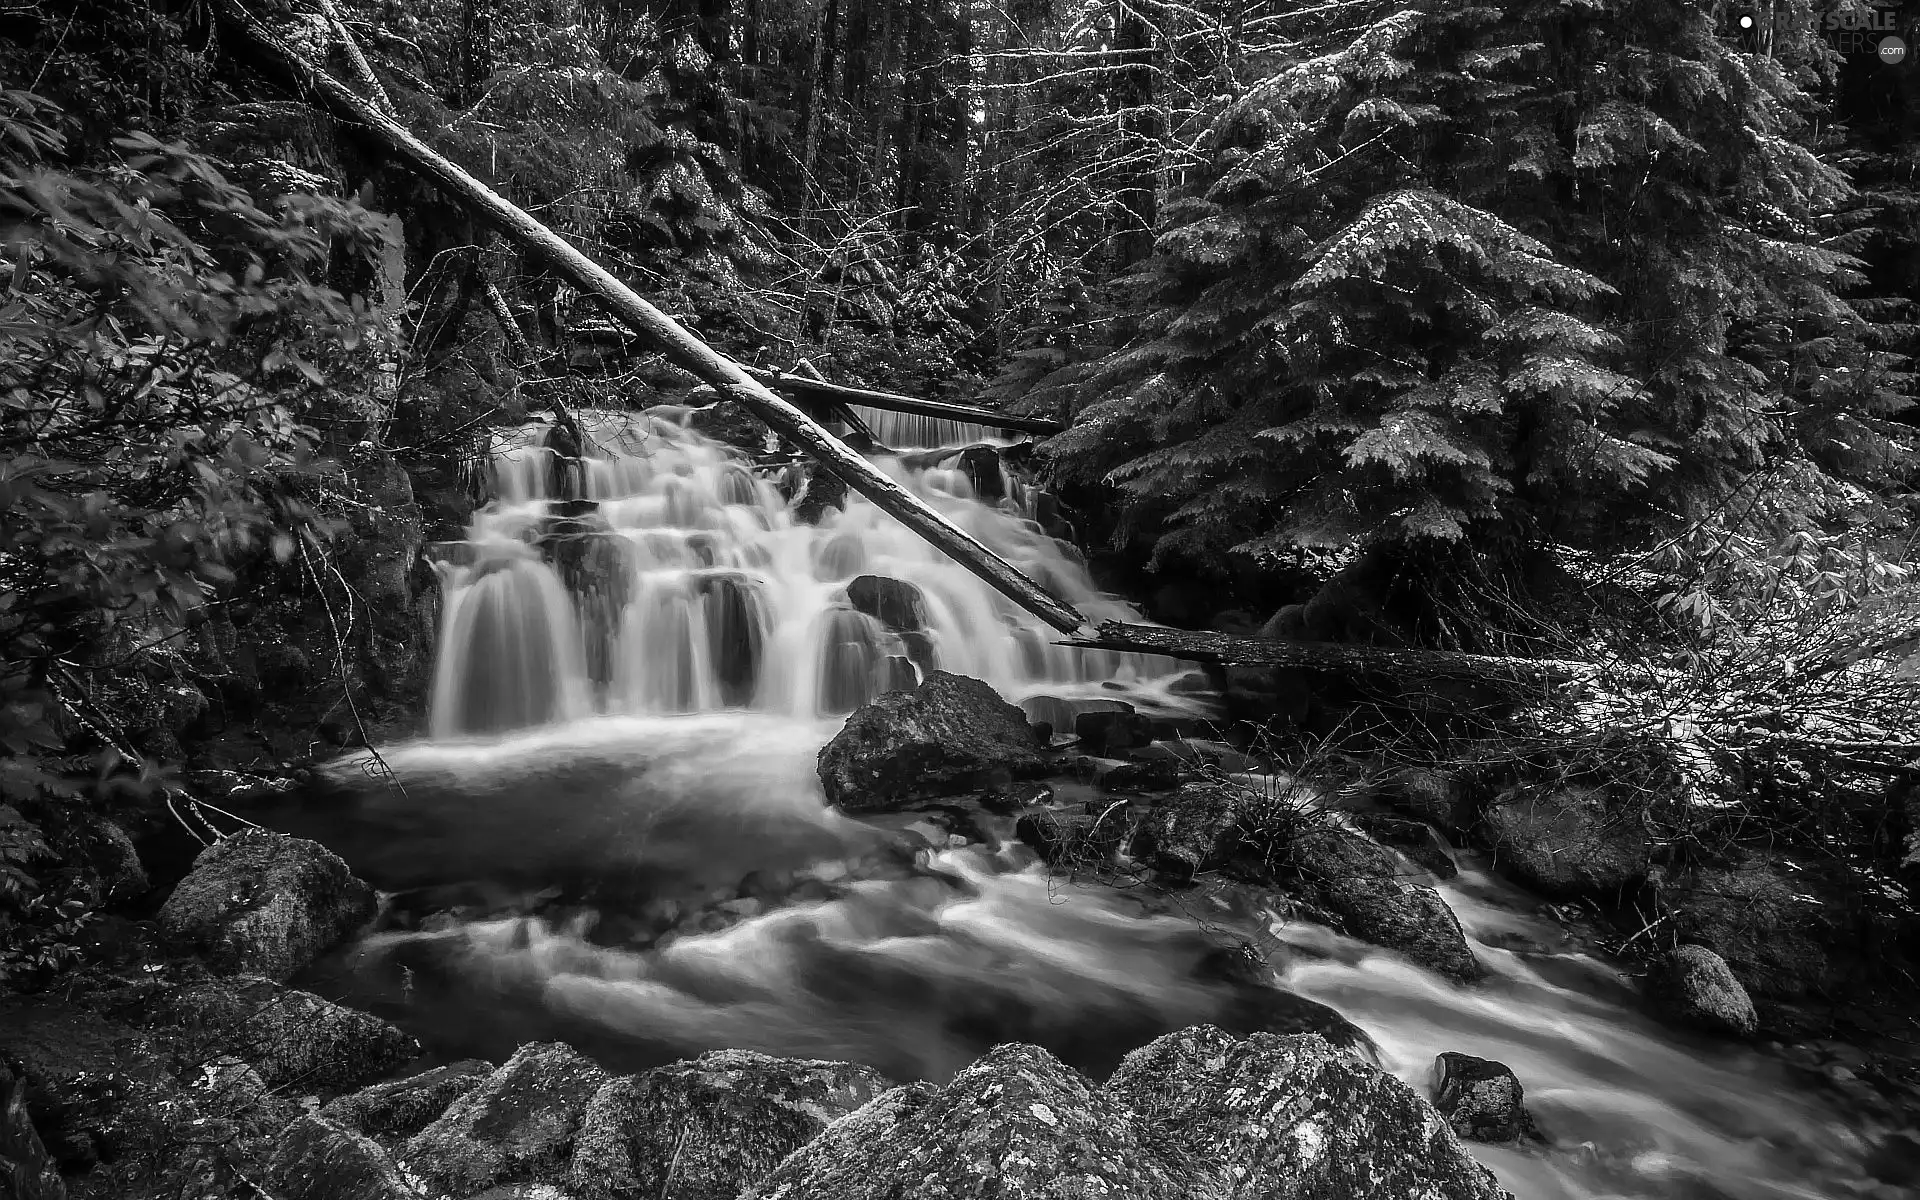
[1016, 1123]
[1769, 926]
[1414, 839]
[896, 604]
[1084, 840]
[1193, 753]
[1195, 828]
[1195, 1113]
[400, 1108]
[113, 857]
[951, 734]
[294, 1039]
[1568, 842]
[1435, 797]
[261, 903]
[1060, 712]
[518, 1126]
[1110, 732]
[93, 1086]
[1153, 775]
[719, 1124]
[1695, 987]
[728, 421]
[1363, 886]
[231, 1094]
[1293, 1116]
[316, 1159]
[1254, 1005]
[1481, 1099]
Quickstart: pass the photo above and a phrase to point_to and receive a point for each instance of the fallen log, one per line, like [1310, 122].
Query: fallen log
[653, 326]
[1522, 674]
[800, 385]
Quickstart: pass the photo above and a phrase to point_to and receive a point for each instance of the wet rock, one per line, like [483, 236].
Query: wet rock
[1363, 886]
[898, 674]
[1195, 1113]
[294, 1039]
[1436, 797]
[1568, 842]
[1011, 799]
[113, 857]
[824, 492]
[1769, 927]
[1075, 839]
[1292, 1116]
[1060, 712]
[952, 734]
[1195, 829]
[1481, 1099]
[896, 604]
[719, 1124]
[727, 421]
[1256, 1005]
[1016, 1123]
[1415, 839]
[1111, 732]
[1193, 683]
[401, 1108]
[1695, 987]
[265, 904]
[516, 1127]
[982, 467]
[1197, 755]
[1154, 775]
[92, 1085]
[316, 1159]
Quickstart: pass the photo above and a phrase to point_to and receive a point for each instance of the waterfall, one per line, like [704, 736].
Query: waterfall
[667, 577]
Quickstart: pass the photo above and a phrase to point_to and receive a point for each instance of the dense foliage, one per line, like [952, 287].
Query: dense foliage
[1548, 272]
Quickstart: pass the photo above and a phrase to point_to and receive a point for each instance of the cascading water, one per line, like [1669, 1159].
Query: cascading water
[642, 862]
[674, 580]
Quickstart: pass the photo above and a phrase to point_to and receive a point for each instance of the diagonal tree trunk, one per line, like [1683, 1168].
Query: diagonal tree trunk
[652, 325]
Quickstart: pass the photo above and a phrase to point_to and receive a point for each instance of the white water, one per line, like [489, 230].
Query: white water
[693, 588]
[913, 963]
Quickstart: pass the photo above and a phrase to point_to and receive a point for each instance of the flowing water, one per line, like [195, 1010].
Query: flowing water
[614, 835]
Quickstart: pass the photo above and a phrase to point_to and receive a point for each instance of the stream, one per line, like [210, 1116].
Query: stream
[613, 835]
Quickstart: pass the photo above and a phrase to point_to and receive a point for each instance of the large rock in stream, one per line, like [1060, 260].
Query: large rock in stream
[952, 734]
[714, 1126]
[294, 1039]
[518, 1126]
[261, 903]
[1695, 987]
[1374, 897]
[1196, 1113]
[1569, 842]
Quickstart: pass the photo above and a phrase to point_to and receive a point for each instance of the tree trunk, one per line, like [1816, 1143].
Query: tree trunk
[1139, 138]
[818, 97]
[654, 326]
[1516, 674]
